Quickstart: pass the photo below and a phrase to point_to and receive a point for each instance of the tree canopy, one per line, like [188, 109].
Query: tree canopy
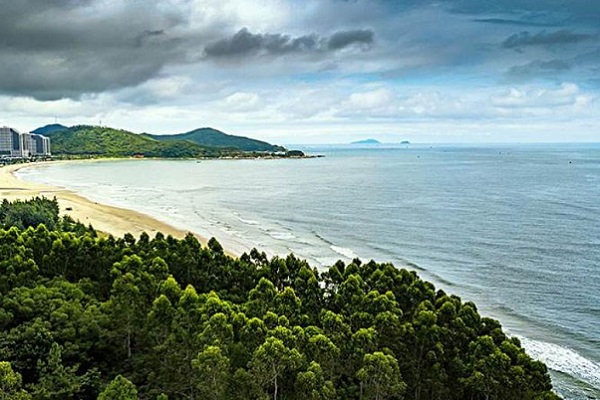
[214, 138]
[104, 141]
[89, 316]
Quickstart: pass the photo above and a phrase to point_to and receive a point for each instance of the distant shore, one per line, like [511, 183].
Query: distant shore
[111, 220]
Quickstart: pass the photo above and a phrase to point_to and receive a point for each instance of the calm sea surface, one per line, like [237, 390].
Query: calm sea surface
[515, 228]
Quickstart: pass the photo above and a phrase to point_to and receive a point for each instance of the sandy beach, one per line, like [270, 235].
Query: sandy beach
[112, 220]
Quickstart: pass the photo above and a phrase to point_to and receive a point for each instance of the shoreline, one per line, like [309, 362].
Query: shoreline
[23, 189]
[112, 220]
[495, 314]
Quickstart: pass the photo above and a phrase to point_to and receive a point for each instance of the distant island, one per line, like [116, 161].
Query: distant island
[100, 141]
[367, 141]
[374, 142]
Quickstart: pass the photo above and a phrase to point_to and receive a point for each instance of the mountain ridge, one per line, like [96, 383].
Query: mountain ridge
[204, 137]
[216, 138]
[103, 141]
[47, 130]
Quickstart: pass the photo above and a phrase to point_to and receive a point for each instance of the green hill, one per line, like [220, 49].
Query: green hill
[50, 129]
[215, 138]
[102, 141]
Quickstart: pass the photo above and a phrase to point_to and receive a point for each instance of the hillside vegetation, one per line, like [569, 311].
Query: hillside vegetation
[84, 316]
[49, 129]
[102, 141]
[97, 140]
[215, 138]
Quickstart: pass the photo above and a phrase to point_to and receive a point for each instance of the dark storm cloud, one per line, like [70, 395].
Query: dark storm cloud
[564, 36]
[245, 43]
[538, 69]
[54, 49]
[148, 35]
[339, 40]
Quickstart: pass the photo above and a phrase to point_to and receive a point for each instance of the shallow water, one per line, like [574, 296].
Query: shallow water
[514, 228]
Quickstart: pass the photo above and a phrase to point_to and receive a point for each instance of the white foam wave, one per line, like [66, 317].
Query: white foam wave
[344, 252]
[245, 221]
[248, 221]
[564, 360]
[281, 235]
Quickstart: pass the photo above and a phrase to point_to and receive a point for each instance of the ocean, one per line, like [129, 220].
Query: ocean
[514, 228]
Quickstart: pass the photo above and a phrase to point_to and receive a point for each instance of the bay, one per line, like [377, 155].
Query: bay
[514, 228]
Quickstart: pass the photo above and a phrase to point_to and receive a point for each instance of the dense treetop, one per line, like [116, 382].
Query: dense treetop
[89, 316]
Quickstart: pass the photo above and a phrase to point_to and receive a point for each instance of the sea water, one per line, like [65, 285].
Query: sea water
[514, 228]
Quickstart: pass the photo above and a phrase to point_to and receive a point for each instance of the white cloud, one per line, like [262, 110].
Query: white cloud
[241, 102]
[567, 95]
[329, 112]
[260, 15]
[169, 87]
[369, 100]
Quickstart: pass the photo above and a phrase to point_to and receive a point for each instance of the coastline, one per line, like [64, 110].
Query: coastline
[561, 358]
[104, 218]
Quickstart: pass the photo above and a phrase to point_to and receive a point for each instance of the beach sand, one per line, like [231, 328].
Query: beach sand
[112, 220]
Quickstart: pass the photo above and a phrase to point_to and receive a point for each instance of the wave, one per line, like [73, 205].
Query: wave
[564, 360]
[248, 221]
[344, 252]
[279, 235]
[322, 238]
[245, 221]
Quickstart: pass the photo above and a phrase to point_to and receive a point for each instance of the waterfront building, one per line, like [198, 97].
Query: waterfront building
[15, 144]
[39, 145]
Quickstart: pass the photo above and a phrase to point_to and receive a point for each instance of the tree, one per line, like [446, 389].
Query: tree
[380, 377]
[261, 298]
[34, 212]
[212, 369]
[56, 381]
[125, 304]
[311, 385]
[322, 350]
[217, 331]
[490, 374]
[288, 304]
[243, 386]
[17, 268]
[10, 384]
[119, 388]
[270, 361]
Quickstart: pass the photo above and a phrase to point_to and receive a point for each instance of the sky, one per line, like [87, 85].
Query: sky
[307, 71]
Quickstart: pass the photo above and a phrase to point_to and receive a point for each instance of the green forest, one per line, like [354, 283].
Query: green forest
[104, 141]
[215, 138]
[85, 315]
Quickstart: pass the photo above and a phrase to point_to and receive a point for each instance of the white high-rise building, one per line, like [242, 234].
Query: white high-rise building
[39, 145]
[22, 145]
